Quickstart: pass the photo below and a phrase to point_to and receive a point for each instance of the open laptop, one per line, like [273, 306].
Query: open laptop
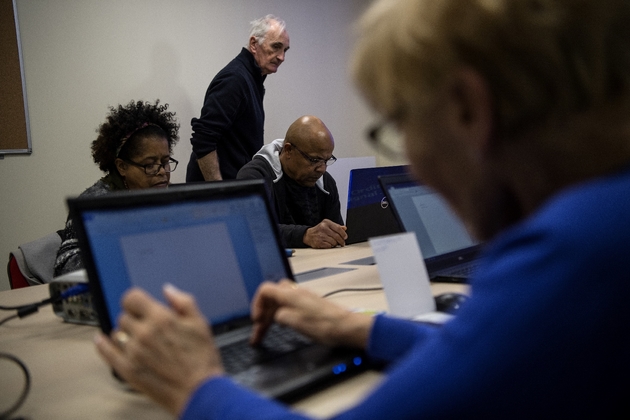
[368, 213]
[217, 241]
[450, 253]
[340, 171]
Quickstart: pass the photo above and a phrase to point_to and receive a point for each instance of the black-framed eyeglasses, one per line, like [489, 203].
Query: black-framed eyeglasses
[152, 169]
[315, 161]
[386, 139]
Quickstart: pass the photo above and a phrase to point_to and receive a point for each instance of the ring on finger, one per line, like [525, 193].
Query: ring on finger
[121, 338]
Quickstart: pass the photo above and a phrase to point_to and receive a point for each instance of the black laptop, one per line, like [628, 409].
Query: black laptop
[217, 241]
[450, 253]
[368, 213]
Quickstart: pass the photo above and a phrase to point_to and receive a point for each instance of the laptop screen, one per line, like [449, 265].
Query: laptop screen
[421, 210]
[218, 248]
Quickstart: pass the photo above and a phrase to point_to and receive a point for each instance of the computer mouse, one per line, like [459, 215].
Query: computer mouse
[449, 302]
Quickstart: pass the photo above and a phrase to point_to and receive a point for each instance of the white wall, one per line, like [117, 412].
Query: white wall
[80, 56]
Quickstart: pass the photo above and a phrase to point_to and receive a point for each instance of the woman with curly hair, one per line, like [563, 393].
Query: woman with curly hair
[133, 149]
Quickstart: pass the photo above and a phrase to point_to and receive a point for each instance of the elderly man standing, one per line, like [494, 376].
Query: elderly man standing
[230, 128]
[305, 196]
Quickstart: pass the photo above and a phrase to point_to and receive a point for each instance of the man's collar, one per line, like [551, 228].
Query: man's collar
[255, 64]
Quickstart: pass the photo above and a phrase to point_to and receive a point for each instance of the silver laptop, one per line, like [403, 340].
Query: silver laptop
[219, 242]
[450, 253]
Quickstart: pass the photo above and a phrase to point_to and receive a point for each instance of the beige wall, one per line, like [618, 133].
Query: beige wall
[81, 56]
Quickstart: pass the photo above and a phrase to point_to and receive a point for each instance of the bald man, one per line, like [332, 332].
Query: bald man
[304, 195]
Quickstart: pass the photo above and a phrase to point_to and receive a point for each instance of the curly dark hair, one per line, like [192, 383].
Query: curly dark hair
[136, 120]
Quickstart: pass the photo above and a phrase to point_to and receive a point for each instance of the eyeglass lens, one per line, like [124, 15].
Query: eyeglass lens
[317, 161]
[153, 169]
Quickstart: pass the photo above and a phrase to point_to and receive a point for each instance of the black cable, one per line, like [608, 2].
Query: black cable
[31, 308]
[42, 303]
[368, 289]
[22, 311]
[72, 291]
[27, 386]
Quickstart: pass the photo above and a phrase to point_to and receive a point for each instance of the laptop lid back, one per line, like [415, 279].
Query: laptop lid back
[368, 213]
[340, 171]
[441, 235]
[216, 241]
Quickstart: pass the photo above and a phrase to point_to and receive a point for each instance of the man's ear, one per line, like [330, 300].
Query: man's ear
[122, 166]
[472, 109]
[253, 44]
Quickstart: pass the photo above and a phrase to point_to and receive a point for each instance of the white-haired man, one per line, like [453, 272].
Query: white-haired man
[230, 128]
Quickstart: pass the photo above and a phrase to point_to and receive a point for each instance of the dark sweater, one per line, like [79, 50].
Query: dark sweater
[326, 203]
[232, 118]
[69, 255]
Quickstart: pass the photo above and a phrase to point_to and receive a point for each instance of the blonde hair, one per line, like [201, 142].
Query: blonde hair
[542, 59]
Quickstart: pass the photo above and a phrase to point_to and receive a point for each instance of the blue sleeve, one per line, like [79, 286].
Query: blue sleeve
[539, 336]
[392, 338]
[220, 398]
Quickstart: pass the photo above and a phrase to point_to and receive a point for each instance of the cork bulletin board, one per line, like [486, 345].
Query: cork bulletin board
[14, 127]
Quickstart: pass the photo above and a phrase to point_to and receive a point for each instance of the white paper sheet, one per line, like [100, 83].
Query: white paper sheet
[403, 274]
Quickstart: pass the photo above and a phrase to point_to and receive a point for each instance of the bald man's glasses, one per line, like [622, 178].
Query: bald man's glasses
[315, 161]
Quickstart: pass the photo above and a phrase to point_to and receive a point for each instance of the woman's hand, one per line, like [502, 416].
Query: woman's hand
[309, 314]
[163, 352]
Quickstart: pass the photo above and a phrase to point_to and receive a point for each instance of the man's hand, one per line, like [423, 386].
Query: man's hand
[327, 234]
[164, 352]
[304, 311]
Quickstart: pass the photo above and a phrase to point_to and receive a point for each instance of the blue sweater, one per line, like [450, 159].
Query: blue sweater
[232, 118]
[544, 333]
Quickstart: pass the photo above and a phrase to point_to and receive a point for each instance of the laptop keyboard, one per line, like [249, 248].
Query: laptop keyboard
[278, 341]
[465, 271]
